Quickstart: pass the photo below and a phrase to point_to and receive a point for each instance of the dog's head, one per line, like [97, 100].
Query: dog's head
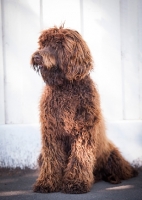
[62, 54]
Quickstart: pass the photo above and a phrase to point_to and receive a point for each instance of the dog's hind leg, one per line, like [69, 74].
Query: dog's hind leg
[40, 160]
[117, 168]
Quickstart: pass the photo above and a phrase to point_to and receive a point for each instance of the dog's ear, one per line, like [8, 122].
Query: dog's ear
[77, 61]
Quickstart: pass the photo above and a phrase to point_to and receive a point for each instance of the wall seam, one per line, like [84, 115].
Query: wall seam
[122, 66]
[81, 18]
[140, 56]
[41, 14]
[3, 61]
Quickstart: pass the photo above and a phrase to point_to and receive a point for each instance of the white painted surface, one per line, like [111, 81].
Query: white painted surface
[113, 31]
[59, 12]
[22, 86]
[2, 104]
[102, 32]
[130, 58]
[140, 53]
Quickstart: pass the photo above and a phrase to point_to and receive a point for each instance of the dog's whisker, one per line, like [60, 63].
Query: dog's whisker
[36, 68]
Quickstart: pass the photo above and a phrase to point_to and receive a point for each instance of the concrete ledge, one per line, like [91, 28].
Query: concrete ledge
[20, 144]
[127, 136]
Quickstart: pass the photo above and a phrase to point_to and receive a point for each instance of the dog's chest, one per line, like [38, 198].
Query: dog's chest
[63, 102]
[63, 105]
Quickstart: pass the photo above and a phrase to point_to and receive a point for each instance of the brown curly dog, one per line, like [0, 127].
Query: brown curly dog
[75, 149]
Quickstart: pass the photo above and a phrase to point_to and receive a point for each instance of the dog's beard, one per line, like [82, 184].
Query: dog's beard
[52, 76]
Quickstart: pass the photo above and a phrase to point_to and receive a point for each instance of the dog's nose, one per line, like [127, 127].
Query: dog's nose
[38, 59]
[37, 56]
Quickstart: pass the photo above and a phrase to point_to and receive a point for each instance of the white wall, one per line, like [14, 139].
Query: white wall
[112, 29]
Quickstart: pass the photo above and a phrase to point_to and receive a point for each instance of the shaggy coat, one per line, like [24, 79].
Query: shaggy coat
[75, 149]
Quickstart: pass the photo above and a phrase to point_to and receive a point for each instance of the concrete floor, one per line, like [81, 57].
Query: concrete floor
[17, 185]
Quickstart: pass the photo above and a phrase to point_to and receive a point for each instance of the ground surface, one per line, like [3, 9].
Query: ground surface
[17, 185]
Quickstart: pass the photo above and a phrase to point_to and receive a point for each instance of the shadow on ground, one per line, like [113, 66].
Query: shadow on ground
[17, 184]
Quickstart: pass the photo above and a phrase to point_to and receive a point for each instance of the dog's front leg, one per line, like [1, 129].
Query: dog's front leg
[78, 175]
[51, 169]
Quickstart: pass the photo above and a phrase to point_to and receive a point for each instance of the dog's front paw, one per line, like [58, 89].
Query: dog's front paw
[40, 188]
[75, 187]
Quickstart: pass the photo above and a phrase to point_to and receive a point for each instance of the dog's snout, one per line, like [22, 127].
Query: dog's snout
[37, 56]
[37, 59]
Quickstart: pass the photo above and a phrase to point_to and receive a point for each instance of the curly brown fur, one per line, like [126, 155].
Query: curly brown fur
[75, 150]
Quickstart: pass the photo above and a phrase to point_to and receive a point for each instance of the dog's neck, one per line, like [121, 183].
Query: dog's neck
[67, 85]
[55, 78]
